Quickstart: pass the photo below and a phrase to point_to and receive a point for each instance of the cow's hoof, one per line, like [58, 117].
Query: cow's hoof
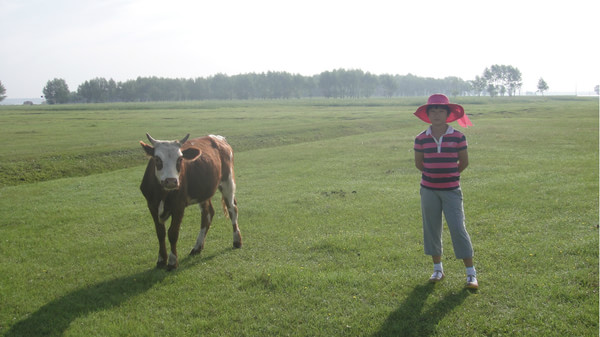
[171, 267]
[237, 244]
[195, 251]
[161, 265]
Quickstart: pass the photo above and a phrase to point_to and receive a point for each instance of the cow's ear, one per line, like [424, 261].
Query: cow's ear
[191, 153]
[148, 148]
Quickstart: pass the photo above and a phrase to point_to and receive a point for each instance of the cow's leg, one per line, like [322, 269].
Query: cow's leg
[176, 218]
[227, 188]
[159, 225]
[162, 247]
[208, 213]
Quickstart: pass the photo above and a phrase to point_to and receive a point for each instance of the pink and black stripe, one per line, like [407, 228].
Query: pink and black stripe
[440, 159]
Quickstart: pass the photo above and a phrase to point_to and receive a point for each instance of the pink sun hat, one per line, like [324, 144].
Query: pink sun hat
[457, 113]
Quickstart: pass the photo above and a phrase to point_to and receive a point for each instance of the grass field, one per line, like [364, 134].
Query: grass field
[329, 212]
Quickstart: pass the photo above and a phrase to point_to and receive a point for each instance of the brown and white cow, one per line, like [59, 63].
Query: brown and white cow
[182, 173]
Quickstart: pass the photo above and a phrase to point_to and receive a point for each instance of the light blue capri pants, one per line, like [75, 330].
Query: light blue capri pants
[433, 203]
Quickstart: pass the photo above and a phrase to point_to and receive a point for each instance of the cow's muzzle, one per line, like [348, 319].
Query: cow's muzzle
[170, 184]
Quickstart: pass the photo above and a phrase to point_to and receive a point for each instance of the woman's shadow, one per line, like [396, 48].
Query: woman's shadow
[410, 319]
[54, 318]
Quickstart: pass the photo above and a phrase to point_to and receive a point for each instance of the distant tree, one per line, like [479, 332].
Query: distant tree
[597, 89]
[127, 91]
[504, 79]
[478, 85]
[199, 88]
[389, 84]
[98, 90]
[220, 86]
[338, 83]
[502, 90]
[304, 86]
[408, 85]
[354, 83]
[350, 82]
[513, 80]
[454, 85]
[542, 86]
[368, 84]
[279, 84]
[492, 90]
[328, 84]
[243, 87]
[2, 92]
[492, 80]
[56, 91]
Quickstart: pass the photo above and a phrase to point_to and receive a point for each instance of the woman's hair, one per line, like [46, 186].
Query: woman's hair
[441, 106]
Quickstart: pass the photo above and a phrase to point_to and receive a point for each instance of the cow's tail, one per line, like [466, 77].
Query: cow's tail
[224, 204]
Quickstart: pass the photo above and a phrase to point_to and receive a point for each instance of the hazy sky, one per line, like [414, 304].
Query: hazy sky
[78, 40]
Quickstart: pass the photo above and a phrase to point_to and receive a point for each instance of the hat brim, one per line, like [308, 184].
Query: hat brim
[456, 112]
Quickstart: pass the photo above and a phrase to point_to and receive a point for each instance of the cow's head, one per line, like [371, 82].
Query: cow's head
[168, 159]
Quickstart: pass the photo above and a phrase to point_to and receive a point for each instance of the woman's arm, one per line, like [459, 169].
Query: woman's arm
[419, 158]
[463, 160]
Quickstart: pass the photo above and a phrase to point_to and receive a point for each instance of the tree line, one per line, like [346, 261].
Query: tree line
[340, 83]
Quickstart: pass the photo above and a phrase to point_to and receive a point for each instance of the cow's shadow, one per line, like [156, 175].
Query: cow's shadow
[54, 318]
[410, 319]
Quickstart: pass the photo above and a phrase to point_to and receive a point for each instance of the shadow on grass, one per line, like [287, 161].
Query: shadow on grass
[54, 318]
[410, 319]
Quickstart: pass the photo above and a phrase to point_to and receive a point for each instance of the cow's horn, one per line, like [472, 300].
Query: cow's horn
[152, 140]
[184, 139]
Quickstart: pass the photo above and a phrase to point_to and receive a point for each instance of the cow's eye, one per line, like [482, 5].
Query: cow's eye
[179, 160]
[158, 162]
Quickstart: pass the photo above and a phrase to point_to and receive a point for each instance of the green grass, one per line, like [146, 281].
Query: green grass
[329, 212]
[44, 142]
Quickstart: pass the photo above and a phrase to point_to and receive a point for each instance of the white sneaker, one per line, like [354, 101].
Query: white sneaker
[472, 282]
[437, 276]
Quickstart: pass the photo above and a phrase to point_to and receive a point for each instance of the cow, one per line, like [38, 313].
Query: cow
[182, 173]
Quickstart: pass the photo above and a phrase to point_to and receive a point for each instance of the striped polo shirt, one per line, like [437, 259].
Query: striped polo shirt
[441, 158]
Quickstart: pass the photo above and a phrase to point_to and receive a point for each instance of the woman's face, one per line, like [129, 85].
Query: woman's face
[437, 115]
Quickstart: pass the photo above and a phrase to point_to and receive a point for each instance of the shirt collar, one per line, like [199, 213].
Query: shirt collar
[448, 131]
